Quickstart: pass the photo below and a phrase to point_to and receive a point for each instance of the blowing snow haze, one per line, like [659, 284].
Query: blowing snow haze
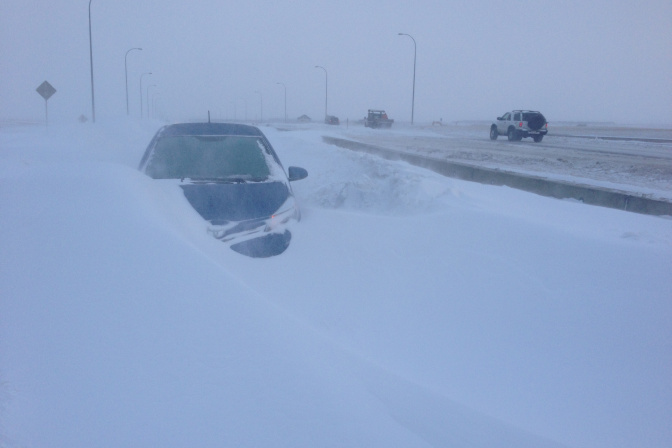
[589, 61]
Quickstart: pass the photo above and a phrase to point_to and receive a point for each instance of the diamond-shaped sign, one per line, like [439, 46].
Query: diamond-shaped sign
[46, 90]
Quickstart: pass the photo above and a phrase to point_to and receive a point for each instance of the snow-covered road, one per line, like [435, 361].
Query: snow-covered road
[567, 153]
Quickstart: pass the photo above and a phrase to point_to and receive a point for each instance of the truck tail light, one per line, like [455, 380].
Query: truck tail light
[520, 125]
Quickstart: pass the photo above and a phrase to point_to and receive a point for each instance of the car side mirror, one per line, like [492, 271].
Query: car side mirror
[499, 118]
[297, 173]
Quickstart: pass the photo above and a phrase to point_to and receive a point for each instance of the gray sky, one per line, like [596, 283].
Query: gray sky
[595, 60]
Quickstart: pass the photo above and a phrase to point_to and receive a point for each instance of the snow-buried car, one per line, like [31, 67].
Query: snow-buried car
[233, 178]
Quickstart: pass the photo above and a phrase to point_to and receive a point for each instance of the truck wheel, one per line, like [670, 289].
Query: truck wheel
[493, 132]
[538, 138]
[512, 134]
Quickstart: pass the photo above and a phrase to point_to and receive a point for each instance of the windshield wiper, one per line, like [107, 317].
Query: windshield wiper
[225, 180]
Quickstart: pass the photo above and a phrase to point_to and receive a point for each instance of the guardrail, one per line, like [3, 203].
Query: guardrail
[587, 194]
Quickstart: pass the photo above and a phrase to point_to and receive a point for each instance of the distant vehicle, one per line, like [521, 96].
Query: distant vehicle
[518, 124]
[377, 119]
[330, 119]
[233, 178]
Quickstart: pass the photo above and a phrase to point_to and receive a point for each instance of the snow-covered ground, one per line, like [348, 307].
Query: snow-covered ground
[410, 310]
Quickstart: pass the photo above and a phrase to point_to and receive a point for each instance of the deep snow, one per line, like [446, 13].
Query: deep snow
[409, 310]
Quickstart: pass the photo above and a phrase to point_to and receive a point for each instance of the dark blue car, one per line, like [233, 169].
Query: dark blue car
[233, 178]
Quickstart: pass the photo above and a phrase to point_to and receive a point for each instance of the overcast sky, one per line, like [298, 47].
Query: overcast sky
[590, 60]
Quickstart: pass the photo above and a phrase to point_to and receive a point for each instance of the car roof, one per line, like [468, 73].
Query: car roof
[211, 129]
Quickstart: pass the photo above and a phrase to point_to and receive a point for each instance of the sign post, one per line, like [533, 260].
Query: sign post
[46, 90]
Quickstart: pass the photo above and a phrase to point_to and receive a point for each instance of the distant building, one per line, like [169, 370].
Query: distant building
[304, 118]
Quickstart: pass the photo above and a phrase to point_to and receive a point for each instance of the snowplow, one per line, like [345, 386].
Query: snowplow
[377, 119]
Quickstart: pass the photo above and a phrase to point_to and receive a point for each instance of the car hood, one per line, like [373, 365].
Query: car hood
[221, 203]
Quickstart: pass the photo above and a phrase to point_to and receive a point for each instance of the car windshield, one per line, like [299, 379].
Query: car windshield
[209, 157]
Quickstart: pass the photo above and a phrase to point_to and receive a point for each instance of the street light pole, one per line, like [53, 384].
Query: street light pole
[154, 97]
[285, 99]
[93, 101]
[141, 109]
[152, 85]
[326, 89]
[126, 71]
[415, 52]
[261, 104]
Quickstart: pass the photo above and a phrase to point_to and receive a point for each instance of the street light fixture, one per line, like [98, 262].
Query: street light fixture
[285, 99]
[126, 71]
[93, 102]
[141, 109]
[326, 88]
[415, 52]
[152, 85]
[261, 104]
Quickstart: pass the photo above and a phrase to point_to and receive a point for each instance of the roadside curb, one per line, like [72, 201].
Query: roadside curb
[587, 194]
[621, 139]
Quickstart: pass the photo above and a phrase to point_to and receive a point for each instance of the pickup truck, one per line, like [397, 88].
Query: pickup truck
[518, 124]
[377, 119]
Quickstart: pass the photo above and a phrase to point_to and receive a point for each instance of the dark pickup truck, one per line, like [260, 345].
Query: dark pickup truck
[377, 119]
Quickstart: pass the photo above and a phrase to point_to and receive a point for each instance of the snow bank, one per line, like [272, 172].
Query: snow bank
[409, 310]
